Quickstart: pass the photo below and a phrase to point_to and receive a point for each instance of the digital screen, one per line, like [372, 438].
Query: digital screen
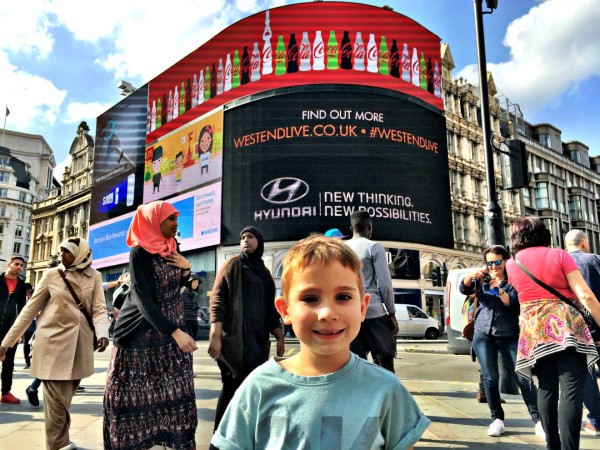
[295, 45]
[303, 162]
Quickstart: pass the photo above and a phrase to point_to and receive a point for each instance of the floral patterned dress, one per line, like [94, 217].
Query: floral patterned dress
[149, 397]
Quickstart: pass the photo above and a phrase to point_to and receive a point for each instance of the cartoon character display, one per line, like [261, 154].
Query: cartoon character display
[179, 167]
[156, 164]
[205, 144]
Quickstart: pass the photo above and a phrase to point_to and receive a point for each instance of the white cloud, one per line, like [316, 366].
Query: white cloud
[26, 27]
[553, 48]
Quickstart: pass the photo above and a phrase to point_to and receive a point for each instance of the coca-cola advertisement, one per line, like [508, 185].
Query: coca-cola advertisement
[303, 162]
[296, 45]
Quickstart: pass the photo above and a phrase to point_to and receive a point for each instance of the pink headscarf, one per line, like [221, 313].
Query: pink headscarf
[144, 230]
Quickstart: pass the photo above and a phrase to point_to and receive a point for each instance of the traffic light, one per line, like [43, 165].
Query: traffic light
[513, 158]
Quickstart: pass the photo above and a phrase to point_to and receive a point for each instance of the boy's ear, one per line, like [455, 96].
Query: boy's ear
[364, 304]
[282, 308]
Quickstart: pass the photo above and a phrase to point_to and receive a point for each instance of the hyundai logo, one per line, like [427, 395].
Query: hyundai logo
[284, 190]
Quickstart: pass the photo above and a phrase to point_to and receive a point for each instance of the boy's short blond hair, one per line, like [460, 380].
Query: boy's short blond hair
[321, 250]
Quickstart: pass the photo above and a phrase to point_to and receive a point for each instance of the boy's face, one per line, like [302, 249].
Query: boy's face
[179, 162]
[156, 165]
[326, 309]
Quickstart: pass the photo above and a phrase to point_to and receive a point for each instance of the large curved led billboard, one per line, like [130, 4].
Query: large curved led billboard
[303, 162]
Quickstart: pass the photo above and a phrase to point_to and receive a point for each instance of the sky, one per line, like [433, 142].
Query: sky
[61, 60]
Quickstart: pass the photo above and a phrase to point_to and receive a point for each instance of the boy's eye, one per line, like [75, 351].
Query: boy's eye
[344, 297]
[310, 299]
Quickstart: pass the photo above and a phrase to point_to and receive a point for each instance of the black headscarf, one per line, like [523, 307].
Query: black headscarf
[254, 259]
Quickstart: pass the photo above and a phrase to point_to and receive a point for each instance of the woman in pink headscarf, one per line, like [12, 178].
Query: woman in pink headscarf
[149, 398]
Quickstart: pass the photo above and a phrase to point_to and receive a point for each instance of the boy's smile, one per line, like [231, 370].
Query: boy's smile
[326, 309]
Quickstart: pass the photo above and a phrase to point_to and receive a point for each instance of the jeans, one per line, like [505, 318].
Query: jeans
[591, 399]
[567, 369]
[8, 366]
[487, 348]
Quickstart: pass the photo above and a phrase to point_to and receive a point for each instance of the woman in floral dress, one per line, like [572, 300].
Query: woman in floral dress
[149, 397]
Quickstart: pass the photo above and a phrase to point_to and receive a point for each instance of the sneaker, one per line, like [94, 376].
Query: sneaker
[69, 446]
[590, 429]
[32, 396]
[496, 428]
[539, 430]
[9, 398]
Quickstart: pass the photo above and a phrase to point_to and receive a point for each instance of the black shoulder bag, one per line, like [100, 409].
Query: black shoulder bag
[589, 320]
[80, 306]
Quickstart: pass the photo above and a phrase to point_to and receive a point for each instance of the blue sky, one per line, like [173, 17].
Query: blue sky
[60, 61]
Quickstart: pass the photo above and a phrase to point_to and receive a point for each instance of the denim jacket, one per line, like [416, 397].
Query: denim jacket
[493, 317]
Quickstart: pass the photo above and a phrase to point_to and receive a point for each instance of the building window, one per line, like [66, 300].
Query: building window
[527, 197]
[23, 197]
[17, 248]
[554, 196]
[541, 196]
[2, 210]
[575, 207]
[20, 214]
[544, 139]
[4, 161]
[575, 155]
[27, 249]
[1, 228]
[4, 177]
[19, 230]
[3, 193]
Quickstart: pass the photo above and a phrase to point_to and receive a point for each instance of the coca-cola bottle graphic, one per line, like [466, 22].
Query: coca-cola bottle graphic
[201, 85]
[406, 70]
[292, 54]
[318, 52]
[220, 77]
[359, 52]
[384, 57]
[255, 64]
[188, 95]
[153, 116]
[394, 60]
[227, 85]
[305, 52]
[423, 73]
[158, 114]
[245, 67]
[267, 54]
[346, 52]
[372, 55]
[429, 76]
[332, 52]
[414, 64]
[213, 81]
[170, 106]
[195, 91]
[437, 81]
[280, 56]
[182, 99]
[235, 70]
[176, 102]
[163, 110]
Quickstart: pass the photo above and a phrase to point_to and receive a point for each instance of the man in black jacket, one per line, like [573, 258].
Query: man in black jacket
[12, 301]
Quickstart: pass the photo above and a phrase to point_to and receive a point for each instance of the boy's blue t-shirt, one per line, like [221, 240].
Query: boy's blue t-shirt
[361, 406]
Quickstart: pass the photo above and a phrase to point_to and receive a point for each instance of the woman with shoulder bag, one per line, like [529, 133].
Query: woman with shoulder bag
[554, 338]
[497, 333]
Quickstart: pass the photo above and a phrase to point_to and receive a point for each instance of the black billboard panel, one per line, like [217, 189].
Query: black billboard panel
[119, 158]
[302, 162]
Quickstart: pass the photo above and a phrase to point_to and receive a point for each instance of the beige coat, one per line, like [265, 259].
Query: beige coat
[63, 339]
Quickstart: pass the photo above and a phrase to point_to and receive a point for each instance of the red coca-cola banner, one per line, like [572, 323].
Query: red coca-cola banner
[303, 44]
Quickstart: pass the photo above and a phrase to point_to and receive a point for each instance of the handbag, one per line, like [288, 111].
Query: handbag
[468, 311]
[120, 295]
[80, 306]
[587, 317]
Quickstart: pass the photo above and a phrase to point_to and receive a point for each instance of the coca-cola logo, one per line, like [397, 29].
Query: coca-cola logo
[228, 71]
[280, 55]
[255, 62]
[292, 54]
[406, 63]
[383, 55]
[359, 51]
[437, 80]
[332, 50]
[415, 67]
[347, 51]
[372, 53]
[268, 54]
[395, 59]
[319, 51]
[305, 51]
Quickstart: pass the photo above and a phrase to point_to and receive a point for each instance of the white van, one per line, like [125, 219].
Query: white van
[414, 322]
[457, 344]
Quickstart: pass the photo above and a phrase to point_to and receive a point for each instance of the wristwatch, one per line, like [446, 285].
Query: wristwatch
[501, 292]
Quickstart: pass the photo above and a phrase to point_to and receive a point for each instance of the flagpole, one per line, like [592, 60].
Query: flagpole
[4, 127]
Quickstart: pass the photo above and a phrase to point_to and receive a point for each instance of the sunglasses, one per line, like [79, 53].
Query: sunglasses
[498, 262]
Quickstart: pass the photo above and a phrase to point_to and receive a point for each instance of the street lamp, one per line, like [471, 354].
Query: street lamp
[492, 217]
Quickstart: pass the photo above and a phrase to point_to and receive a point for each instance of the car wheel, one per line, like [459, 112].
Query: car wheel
[431, 334]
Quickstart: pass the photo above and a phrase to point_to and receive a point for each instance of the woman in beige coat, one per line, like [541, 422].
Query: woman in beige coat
[63, 353]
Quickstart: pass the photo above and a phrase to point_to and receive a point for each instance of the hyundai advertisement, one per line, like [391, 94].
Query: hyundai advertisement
[303, 162]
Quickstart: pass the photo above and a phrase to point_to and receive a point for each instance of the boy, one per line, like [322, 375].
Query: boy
[324, 397]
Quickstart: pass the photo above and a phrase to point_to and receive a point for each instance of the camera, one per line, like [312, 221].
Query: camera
[485, 287]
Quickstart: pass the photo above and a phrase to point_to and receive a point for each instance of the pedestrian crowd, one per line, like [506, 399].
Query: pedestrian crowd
[337, 298]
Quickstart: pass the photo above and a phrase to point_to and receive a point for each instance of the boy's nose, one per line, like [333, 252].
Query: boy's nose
[327, 313]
